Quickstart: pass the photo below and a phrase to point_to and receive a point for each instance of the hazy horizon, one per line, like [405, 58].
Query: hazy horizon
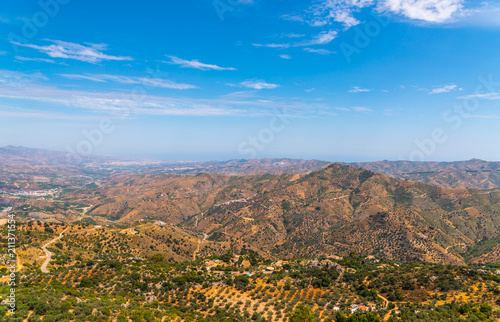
[166, 159]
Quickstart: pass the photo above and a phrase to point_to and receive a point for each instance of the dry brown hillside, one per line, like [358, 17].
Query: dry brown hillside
[336, 210]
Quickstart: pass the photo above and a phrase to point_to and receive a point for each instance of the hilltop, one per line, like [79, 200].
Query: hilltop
[335, 210]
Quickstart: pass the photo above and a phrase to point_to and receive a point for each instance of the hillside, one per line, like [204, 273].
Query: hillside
[477, 174]
[332, 211]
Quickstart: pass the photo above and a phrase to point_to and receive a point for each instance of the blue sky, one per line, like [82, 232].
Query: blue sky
[341, 80]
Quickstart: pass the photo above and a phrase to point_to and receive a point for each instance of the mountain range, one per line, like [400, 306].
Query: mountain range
[284, 208]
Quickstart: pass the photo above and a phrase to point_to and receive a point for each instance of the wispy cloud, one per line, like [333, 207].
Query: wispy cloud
[444, 89]
[319, 51]
[196, 64]
[4, 20]
[293, 35]
[284, 56]
[323, 38]
[239, 95]
[16, 112]
[154, 82]
[34, 59]
[11, 78]
[359, 109]
[327, 13]
[486, 15]
[90, 53]
[273, 45]
[258, 84]
[483, 116]
[2, 53]
[357, 89]
[362, 109]
[487, 96]
[122, 103]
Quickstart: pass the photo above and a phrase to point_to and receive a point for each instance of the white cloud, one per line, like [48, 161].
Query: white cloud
[258, 84]
[362, 109]
[320, 51]
[154, 82]
[443, 89]
[124, 104]
[359, 109]
[39, 60]
[273, 45]
[346, 18]
[239, 95]
[196, 64]
[483, 116]
[325, 13]
[16, 112]
[323, 38]
[293, 35]
[487, 96]
[436, 11]
[11, 78]
[328, 12]
[90, 53]
[2, 53]
[357, 89]
[487, 15]
[286, 56]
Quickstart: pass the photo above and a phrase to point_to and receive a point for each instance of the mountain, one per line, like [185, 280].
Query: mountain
[46, 159]
[336, 210]
[474, 173]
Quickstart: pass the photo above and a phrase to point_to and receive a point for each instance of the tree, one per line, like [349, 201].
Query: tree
[241, 282]
[157, 258]
[302, 314]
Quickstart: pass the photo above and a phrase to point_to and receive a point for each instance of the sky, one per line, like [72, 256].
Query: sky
[337, 80]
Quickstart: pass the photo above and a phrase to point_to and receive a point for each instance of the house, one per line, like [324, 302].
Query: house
[363, 308]
[360, 307]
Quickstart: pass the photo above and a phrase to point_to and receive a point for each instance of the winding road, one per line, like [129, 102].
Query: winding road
[48, 253]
